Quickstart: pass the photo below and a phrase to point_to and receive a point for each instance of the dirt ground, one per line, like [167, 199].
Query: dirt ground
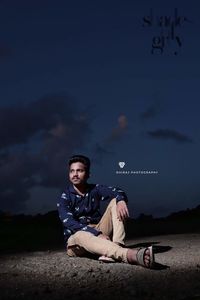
[53, 275]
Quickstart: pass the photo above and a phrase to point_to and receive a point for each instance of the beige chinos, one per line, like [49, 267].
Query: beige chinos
[82, 242]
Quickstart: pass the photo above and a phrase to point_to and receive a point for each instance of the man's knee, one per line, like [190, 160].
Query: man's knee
[81, 235]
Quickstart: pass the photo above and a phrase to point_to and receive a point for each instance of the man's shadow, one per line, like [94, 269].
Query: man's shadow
[157, 249]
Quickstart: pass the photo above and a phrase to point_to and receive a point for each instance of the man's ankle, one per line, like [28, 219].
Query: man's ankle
[131, 257]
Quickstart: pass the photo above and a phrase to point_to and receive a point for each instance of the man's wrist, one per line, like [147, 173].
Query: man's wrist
[122, 200]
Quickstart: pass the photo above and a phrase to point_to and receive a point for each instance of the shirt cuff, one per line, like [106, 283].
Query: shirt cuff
[120, 198]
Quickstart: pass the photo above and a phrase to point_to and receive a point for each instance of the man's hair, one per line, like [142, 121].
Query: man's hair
[80, 158]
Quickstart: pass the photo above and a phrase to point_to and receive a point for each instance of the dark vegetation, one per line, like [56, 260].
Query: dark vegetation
[20, 233]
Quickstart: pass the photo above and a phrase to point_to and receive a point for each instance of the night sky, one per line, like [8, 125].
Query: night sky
[88, 77]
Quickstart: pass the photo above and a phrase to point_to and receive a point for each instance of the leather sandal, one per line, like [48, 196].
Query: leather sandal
[141, 257]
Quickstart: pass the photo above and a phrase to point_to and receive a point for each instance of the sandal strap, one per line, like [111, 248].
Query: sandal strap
[140, 256]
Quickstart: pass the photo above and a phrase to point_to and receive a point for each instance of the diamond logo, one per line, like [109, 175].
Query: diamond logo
[121, 164]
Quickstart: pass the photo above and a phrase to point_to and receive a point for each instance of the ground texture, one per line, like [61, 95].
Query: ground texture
[53, 275]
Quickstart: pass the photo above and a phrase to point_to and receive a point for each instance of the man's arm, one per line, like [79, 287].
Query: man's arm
[67, 218]
[109, 192]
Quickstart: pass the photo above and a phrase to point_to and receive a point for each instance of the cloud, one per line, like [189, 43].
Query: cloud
[118, 132]
[99, 152]
[168, 134]
[20, 123]
[151, 112]
[35, 143]
[17, 177]
[36, 140]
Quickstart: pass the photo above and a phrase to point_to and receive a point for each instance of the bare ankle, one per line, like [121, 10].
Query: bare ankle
[131, 257]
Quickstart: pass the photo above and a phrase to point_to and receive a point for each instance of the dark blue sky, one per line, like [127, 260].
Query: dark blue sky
[80, 77]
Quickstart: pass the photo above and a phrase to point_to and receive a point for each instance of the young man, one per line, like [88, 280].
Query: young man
[85, 229]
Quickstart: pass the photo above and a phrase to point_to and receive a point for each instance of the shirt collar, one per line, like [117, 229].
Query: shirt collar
[73, 191]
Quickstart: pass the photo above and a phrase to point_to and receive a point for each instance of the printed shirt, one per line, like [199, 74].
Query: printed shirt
[76, 211]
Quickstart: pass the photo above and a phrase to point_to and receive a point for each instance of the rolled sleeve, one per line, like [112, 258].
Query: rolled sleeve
[110, 192]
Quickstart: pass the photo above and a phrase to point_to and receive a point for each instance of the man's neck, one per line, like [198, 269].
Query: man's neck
[81, 189]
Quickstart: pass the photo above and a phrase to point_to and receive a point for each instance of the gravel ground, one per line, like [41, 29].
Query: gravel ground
[53, 275]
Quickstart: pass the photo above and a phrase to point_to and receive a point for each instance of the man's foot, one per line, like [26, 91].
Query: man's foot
[142, 256]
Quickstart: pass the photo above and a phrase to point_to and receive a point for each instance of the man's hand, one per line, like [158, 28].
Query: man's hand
[103, 236]
[122, 210]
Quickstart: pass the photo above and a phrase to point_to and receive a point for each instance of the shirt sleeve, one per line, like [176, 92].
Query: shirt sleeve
[67, 218]
[110, 192]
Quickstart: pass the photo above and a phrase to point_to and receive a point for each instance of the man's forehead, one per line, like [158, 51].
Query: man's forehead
[77, 165]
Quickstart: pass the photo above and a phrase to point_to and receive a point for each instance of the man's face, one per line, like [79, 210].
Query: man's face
[77, 173]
